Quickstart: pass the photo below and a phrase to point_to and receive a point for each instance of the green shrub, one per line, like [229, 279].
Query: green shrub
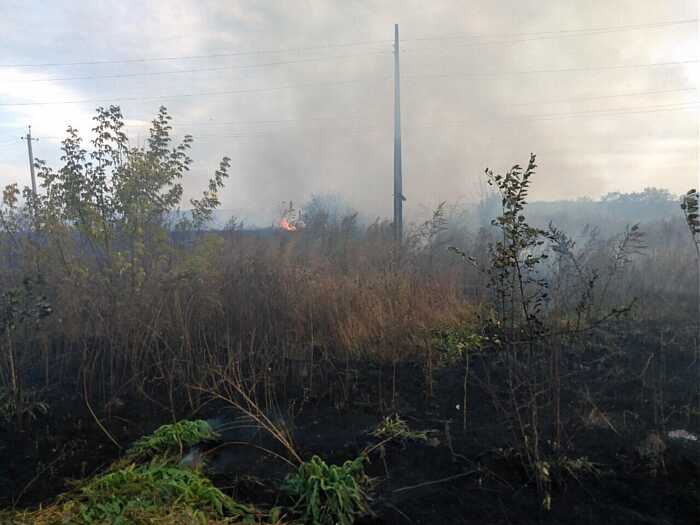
[137, 493]
[329, 494]
[393, 427]
[172, 440]
[456, 343]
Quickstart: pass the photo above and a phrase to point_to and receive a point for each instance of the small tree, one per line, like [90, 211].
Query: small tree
[690, 205]
[691, 210]
[119, 197]
[519, 288]
[100, 234]
[527, 326]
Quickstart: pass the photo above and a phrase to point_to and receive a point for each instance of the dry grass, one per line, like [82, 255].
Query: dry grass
[277, 301]
[272, 299]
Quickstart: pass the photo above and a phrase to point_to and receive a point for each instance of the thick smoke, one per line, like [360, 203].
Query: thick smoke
[468, 98]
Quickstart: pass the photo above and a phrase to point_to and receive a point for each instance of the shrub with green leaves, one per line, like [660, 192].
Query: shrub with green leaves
[393, 427]
[138, 493]
[455, 344]
[329, 494]
[170, 441]
[690, 205]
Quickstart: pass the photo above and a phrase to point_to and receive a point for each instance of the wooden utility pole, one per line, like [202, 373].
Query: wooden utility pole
[398, 182]
[29, 139]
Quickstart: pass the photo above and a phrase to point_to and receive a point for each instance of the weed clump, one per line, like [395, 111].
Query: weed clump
[136, 493]
[170, 441]
[133, 494]
[395, 428]
[148, 486]
[329, 494]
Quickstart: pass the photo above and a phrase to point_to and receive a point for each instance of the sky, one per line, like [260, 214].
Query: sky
[299, 94]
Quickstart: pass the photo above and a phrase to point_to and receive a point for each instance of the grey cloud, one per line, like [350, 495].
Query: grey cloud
[340, 140]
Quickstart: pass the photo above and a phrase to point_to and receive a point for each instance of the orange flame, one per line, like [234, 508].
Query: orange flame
[285, 225]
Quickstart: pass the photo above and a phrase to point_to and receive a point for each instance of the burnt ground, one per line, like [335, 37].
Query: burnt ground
[623, 391]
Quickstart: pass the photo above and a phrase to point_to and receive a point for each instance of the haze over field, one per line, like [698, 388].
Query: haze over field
[300, 94]
[239, 295]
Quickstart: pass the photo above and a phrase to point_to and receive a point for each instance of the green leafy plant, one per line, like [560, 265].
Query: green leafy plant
[133, 493]
[329, 494]
[527, 318]
[453, 344]
[395, 428]
[519, 293]
[689, 205]
[172, 440]
[456, 346]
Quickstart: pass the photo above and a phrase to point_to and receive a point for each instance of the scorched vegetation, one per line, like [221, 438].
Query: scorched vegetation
[493, 367]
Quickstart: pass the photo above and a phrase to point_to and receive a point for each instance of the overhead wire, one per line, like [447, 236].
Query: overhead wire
[553, 116]
[534, 117]
[336, 118]
[302, 121]
[193, 57]
[355, 81]
[534, 35]
[422, 76]
[299, 49]
[190, 95]
[577, 31]
[552, 70]
[194, 70]
[597, 97]
[551, 35]
[619, 111]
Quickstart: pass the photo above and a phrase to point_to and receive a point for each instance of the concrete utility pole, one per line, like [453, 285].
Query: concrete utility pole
[31, 158]
[398, 182]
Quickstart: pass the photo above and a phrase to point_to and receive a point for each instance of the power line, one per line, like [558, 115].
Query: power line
[516, 104]
[545, 116]
[597, 97]
[362, 119]
[196, 57]
[538, 34]
[355, 81]
[561, 70]
[562, 32]
[613, 112]
[443, 47]
[190, 95]
[322, 59]
[301, 121]
[196, 70]
[552, 116]
[460, 123]
[335, 118]
[619, 111]
[256, 122]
